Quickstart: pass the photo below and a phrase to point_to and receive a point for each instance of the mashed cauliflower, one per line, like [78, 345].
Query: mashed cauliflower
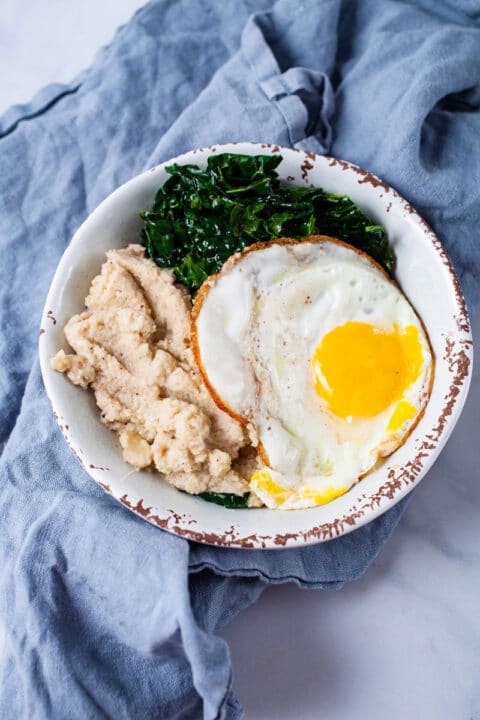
[132, 347]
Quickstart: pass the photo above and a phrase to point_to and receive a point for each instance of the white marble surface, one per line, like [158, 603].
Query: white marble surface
[404, 641]
[45, 41]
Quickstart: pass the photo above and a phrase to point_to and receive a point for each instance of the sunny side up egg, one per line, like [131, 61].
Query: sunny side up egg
[314, 345]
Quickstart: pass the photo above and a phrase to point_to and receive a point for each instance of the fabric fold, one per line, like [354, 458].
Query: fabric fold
[42, 102]
[290, 107]
[287, 88]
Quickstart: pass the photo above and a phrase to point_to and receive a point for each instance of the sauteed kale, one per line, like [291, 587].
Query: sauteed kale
[229, 500]
[201, 217]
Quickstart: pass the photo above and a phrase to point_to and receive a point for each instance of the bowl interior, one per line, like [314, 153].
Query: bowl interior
[425, 276]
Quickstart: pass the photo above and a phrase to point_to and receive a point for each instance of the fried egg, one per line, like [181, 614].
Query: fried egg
[313, 345]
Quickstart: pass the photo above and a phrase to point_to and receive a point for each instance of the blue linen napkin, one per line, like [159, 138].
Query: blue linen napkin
[107, 616]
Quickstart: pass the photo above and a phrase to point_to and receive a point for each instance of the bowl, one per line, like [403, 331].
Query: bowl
[425, 275]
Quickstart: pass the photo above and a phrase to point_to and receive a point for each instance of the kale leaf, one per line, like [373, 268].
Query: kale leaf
[228, 500]
[201, 217]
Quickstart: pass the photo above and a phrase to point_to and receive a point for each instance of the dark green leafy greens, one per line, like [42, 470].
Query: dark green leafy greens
[229, 500]
[201, 217]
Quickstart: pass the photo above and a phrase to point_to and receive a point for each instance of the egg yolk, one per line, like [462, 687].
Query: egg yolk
[325, 496]
[264, 481]
[403, 411]
[360, 370]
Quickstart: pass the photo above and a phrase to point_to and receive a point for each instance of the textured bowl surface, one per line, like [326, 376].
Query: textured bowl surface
[425, 276]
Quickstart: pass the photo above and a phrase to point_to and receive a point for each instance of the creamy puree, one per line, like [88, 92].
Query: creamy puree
[132, 347]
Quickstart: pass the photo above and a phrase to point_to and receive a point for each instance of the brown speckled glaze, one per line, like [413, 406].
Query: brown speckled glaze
[398, 480]
[64, 430]
[305, 167]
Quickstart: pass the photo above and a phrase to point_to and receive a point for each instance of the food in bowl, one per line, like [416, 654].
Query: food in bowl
[200, 217]
[321, 354]
[132, 347]
[133, 341]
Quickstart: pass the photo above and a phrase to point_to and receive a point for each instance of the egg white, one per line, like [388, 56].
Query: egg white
[256, 326]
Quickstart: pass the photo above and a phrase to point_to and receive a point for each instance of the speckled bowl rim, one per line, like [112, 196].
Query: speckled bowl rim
[458, 354]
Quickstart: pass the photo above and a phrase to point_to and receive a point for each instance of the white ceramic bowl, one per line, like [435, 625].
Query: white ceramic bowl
[423, 271]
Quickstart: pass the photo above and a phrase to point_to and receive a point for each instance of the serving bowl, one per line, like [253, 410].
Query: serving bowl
[425, 275]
